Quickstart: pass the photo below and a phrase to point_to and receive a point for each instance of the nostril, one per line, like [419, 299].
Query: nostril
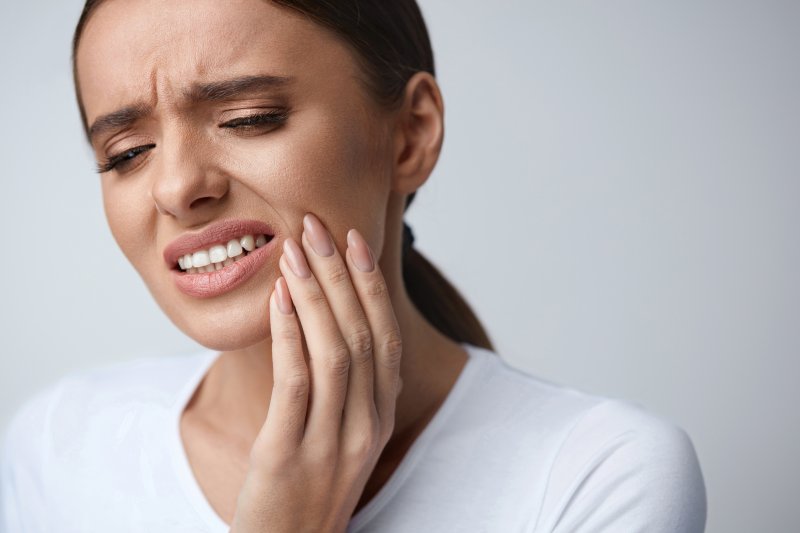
[199, 202]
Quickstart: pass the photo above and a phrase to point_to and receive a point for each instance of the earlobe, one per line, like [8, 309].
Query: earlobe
[419, 133]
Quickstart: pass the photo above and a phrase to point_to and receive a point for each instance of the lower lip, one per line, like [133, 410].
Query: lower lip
[210, 284]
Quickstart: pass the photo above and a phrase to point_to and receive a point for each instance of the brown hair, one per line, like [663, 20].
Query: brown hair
[392, 43]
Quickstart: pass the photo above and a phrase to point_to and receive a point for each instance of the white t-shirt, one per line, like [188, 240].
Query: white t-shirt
[100, 451]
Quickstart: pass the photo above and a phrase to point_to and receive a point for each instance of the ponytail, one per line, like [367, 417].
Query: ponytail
[436, 298]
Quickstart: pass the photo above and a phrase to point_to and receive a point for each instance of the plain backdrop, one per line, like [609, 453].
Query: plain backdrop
[618, 196]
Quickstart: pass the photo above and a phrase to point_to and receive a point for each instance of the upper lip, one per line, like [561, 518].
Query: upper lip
[217, 233]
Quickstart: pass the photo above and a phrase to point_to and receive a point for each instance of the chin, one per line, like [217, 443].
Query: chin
[226, 340]
[224, 324]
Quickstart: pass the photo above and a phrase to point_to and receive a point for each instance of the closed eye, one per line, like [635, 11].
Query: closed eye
[250, 124]
[123, 159]
[274, 117]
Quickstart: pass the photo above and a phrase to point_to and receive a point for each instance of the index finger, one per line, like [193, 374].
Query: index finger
[373, 294]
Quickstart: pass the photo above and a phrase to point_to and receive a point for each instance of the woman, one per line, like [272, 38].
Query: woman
[256, 159]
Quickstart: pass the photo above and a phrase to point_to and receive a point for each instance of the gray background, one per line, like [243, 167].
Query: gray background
[632, 166]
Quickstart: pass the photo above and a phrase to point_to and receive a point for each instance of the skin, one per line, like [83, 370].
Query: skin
[340, 156]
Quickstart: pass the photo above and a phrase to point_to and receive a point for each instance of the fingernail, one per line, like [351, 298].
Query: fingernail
[297, 260]
[359, 251]
[283, 297]
[318, 236]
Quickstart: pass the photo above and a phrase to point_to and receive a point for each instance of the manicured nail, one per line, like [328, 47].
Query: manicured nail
[359, 251]
[283, 296]
[297, 260]
[318, 236]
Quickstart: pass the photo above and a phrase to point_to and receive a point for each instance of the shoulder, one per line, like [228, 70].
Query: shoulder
[160, 375]
[24, 432]
[531, 405]
[64, 426]
[608, 464]
[153, 381]
[583, 421]
[623, 465]
[61, 410]
[24, 441]
[643, 443]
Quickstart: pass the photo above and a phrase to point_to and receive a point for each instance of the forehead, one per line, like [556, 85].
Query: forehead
[149, 50]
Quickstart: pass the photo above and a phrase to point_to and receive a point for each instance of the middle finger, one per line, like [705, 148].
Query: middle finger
[334, 276]
[329, 356]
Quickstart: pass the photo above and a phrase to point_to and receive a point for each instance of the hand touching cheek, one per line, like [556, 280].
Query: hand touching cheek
[336, 351]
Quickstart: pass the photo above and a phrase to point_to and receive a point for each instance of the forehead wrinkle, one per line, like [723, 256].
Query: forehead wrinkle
[153, 78]
[178, 53]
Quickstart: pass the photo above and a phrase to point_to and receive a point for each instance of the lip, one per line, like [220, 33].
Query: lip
[210, 284]
[217, 233]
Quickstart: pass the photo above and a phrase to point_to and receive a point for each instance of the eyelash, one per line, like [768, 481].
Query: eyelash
[276, 116]
[247, 123]
[123, 158]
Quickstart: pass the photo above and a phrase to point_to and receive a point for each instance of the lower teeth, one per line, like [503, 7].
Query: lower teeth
[212, 267]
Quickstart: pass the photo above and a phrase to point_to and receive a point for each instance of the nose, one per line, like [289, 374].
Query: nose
[188, 185]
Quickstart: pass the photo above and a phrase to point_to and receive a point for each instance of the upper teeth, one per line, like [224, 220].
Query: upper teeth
[219, 253]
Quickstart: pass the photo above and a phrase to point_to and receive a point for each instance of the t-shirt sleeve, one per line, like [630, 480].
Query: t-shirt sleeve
[23, 508]
[624, 469]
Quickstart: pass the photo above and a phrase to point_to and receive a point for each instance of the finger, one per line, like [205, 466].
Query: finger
[387, 349]
[285, 422]
[329, 356]
[360, 412]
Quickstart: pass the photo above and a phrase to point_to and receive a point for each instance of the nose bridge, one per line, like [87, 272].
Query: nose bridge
[186, 180]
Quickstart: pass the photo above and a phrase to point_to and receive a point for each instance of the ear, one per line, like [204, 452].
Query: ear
[419, 133]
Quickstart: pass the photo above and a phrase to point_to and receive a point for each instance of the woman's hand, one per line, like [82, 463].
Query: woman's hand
[330, 419]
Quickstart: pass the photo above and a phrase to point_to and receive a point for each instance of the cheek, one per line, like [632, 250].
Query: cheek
[128, 216]
[315, 163]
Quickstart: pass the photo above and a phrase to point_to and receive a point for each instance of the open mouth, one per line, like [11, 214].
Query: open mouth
[221, 255]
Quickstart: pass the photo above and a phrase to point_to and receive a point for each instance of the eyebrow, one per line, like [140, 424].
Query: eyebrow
[222, 90]
[198, 92]
[117, 119]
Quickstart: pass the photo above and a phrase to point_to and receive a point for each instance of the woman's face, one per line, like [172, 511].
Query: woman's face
[176, 82]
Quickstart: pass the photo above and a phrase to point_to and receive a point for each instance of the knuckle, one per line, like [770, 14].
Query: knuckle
[296, 385]
[376, 288]
[362, 446]
[337, 274]
[279, 460]
[338, 361]
[361, 344]
[289, 334]
[392, 347]
[316, 299]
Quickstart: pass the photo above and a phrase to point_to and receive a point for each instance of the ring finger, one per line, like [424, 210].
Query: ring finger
[333, 273]
[329, 356]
